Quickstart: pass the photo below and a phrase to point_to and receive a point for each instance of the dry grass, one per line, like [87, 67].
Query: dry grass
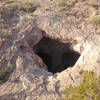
[27, 7]
[4, 35]
[94, 4]
[9, 1]
[95, 20]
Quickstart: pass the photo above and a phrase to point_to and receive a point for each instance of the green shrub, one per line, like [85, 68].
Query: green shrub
[9, 68]
[4, 73]
[89, 89]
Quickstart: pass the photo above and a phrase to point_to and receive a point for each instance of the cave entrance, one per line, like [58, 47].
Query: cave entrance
[56, 55]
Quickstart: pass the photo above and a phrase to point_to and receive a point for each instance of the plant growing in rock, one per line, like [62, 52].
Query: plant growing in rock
[4, 74]
[89, 89]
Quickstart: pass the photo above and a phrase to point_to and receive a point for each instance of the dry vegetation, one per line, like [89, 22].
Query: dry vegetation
[89, 89]
[95, 20]
[83, 9]
[16, 5]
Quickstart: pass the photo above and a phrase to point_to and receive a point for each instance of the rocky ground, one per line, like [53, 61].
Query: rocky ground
[47, 43]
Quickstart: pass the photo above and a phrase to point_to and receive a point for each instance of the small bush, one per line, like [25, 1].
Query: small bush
[9, 68]
[89, 89]
[4, 73]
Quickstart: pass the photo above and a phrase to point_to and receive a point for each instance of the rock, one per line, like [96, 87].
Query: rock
[31, 79]
[89, 59]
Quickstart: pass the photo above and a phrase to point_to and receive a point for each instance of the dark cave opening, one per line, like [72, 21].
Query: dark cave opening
[45, 57]
[56, 55]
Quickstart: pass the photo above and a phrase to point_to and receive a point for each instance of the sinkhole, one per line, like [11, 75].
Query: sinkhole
[56, 55]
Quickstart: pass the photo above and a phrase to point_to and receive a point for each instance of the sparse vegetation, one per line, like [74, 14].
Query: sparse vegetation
[73, 1]
[67, 3]
[94, 4]
[4, 35]
[89, 89]
[9, 68]
[63, 9]
[27, 7]
[4, 73]
[65, 6]
[9, 1]
[95, 20]
[63, 3]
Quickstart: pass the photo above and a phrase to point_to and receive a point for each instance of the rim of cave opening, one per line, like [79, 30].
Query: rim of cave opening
[56, 55]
